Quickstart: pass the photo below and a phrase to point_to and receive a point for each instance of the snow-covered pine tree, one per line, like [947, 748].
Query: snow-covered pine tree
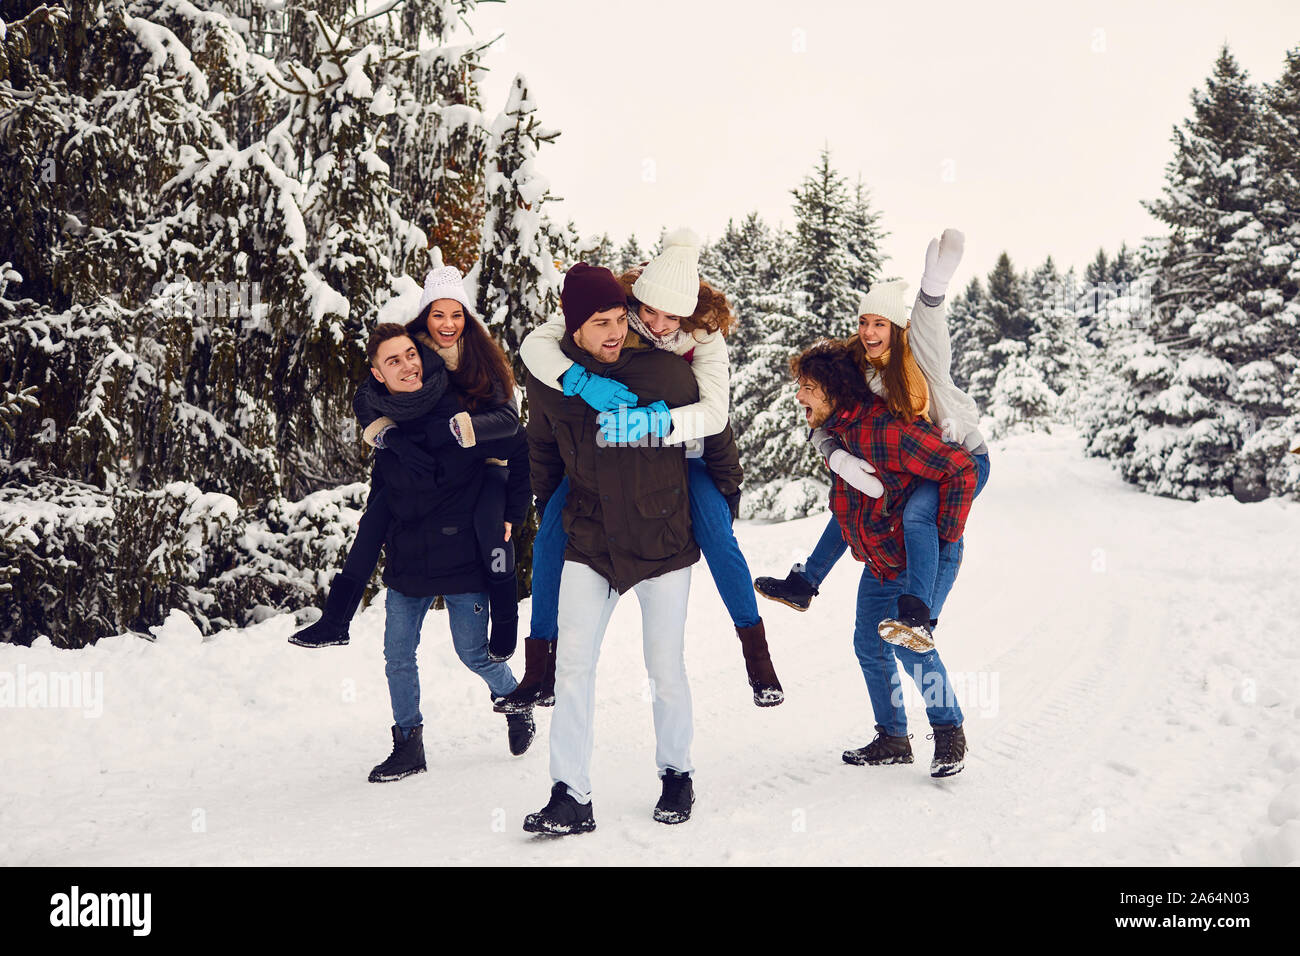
[1021, 400]
[203, 221]
[820, 264]
[863, 236]
[630, 255]
[1213, 313]
[1274, 381]
[965, 325]
[744, 263]
[1123, 268]
[784, 477]
[516, 283]
[1122, 394]
[599, 251]
[993, 335]
[1057, 350]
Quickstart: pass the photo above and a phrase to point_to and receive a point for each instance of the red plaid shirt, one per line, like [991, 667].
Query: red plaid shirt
[901, 454]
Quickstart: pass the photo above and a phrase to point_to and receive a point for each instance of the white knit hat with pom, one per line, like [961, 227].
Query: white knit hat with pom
[444, 282]
[670, 281]
[885, 298]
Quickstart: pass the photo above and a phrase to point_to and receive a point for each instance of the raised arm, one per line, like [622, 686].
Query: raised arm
[928, 327]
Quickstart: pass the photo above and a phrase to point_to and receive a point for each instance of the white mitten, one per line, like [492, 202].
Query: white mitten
[941, 260]
[858, 473]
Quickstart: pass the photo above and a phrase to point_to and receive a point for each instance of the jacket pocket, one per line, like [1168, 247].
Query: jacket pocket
[579, 518]
[452, 549]
[666, 522]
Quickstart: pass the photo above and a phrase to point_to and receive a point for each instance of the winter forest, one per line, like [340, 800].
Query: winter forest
[208, 204]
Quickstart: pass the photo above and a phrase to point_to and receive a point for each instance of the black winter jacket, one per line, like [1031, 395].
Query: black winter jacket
[431, 546]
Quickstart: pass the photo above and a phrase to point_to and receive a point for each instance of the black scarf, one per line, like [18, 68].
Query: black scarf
[404, 406]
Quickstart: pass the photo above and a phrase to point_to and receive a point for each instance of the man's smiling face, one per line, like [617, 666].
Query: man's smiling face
[602, 335]
[397, 364]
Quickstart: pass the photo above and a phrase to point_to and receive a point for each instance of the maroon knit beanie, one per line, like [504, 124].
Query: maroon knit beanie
[586, 291]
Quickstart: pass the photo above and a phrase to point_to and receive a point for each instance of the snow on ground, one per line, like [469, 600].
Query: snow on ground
[1130, 688]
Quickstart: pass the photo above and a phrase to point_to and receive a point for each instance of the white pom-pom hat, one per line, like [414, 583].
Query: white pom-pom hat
[886, 299]
[670, 281]
[444, 282]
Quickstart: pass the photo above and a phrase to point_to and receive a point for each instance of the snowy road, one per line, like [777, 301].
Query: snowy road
[1128, 666]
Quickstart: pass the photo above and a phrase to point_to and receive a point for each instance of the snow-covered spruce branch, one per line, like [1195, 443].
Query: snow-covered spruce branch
[13, 405]
[385, 8]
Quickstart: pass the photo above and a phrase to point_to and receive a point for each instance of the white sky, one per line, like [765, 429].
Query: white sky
[1051, 120]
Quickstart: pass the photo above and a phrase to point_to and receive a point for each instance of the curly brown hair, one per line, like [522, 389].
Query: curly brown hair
[830, 365]
[712, 313]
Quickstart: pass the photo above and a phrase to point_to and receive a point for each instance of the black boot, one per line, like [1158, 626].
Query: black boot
[546, 693]
[407, 757]
[332, 628]
[758, 666]
[884, 749]
[678, 795]
[503, 599]
[794, 591]
[912, 627]
[562, 815]
[520, 728]
[949, 750]
[529, 692]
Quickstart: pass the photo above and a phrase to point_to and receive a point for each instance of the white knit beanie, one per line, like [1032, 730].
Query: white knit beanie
[444, 282]
[670, 281]
[885, 298]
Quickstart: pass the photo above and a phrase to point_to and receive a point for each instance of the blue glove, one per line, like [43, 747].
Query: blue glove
[629, 426]
[602, 394]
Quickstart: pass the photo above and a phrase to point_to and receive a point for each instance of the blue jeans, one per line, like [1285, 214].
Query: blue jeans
[932, 565]
[878, 600]
[548, 563]
[710, 524]
[468, 614]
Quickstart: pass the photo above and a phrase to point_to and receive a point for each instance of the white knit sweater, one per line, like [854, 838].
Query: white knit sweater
[540, 351]
[950, 408]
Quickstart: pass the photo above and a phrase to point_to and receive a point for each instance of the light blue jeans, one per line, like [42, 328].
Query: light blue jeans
[586, 603]
[932, 565]
[468, 615]
[878, 600]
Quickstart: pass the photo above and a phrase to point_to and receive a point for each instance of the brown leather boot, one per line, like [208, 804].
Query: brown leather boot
[758, 665]
[546, 695]
[539, 656]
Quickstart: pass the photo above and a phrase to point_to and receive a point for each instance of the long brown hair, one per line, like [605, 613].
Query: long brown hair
[906, 392]
[483, 373]
[712, 310]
